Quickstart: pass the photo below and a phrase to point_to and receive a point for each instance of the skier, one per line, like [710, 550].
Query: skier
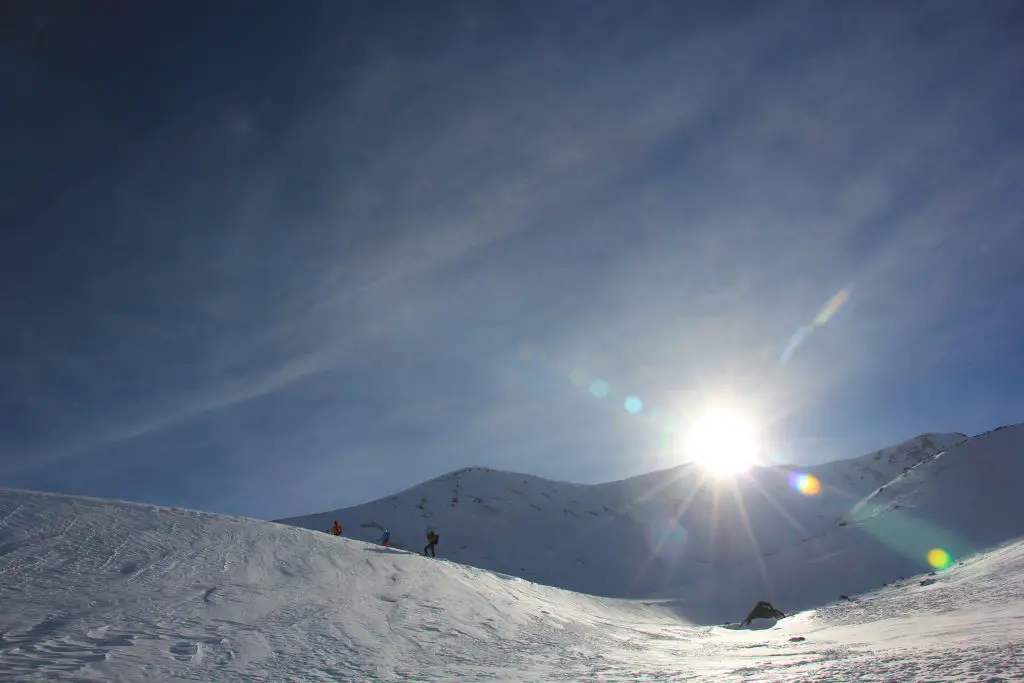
[432, 539]
[335, 529]
[385, 537]
[763, 610]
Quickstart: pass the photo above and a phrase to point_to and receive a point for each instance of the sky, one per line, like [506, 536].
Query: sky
[273, 258]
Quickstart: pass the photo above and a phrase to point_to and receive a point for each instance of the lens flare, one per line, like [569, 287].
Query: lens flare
[634, 404]
[668, 440]
[666, 538]
[599, 388]
[723, 441]
[831, 308]
[795, 341]
[579, 378]
[824, 315]
[807, 484]
[527, 352]
[939, 558]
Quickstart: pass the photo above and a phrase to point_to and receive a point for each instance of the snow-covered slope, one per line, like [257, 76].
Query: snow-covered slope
[648, 535]
[963, 500]
[860, 475]
[947, 507]
[103, 591]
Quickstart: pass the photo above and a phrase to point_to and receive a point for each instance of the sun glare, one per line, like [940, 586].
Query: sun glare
[723, 441]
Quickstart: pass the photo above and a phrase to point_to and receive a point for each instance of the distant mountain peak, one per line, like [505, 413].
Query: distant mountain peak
[686, 523]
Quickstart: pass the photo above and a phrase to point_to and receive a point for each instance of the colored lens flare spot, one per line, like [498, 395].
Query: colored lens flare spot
[599, 388]
[634, 404]
[807, 484]
[939, 558]
[831, 308]
[667, 438]
[527, 352]
[579, 378]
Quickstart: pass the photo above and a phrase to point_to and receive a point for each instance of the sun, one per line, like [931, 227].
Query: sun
[723, 441]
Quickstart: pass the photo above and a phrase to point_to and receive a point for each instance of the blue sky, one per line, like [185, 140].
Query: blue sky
[271, 258]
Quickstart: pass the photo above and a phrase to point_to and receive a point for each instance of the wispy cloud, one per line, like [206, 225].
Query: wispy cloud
[188, 407]
[661, 196]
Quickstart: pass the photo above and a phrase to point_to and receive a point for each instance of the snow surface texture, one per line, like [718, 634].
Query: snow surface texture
[98, 591]
[103, 591]
[646, 536]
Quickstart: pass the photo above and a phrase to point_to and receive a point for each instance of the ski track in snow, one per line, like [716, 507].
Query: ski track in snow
[96, 590]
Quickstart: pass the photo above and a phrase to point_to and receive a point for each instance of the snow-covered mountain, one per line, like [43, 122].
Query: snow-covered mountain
[647, 535]
[948, 506]
[965, 494]
[859, 475]
[96, 590]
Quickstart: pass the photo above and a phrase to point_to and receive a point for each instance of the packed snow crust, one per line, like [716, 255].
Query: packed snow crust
[95, 590]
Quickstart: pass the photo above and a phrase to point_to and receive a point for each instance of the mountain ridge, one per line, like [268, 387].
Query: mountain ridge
[547, 531]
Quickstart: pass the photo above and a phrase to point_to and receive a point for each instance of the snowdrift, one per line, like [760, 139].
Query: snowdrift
[92, 589]
[103, 591]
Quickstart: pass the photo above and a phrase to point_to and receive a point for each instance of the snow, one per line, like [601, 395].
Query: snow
[685, 524]
[97, 590]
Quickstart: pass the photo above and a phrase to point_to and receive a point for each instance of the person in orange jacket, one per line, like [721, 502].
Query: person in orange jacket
[335, 529]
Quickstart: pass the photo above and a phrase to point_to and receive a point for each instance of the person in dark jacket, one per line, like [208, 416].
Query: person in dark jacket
[335, 529]
[432, 539]
[763, 610]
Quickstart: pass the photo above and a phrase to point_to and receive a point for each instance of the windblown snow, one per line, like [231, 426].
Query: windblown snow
[96, 590]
